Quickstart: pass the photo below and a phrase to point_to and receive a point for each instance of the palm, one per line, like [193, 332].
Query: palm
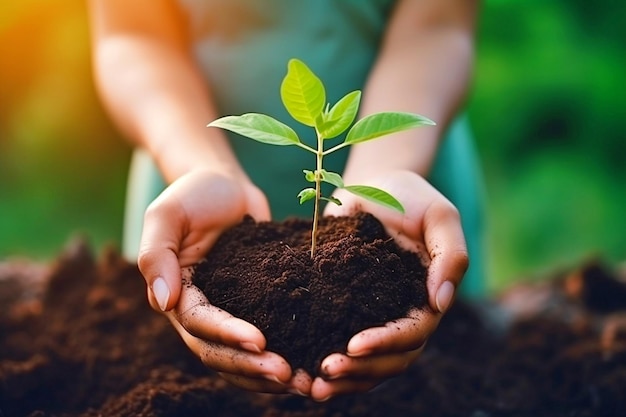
[205, 205]
[431, 227]
[180, 227]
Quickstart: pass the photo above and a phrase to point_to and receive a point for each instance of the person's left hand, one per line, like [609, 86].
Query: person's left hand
[180, 227]
[431, 227]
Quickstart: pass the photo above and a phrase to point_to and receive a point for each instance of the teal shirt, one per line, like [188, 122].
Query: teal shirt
[242, 48]
[244, 56]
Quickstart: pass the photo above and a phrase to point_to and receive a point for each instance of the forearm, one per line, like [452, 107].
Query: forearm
[156, 96]
[424, 67]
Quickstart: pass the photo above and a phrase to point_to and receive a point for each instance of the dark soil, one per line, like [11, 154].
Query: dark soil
[77, 338]
[308, 308]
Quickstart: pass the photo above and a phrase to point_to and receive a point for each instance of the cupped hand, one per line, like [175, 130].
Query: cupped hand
[431, 227]
[180, 227]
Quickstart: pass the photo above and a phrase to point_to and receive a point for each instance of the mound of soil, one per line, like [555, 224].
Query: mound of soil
[310, 307]
[77, 338]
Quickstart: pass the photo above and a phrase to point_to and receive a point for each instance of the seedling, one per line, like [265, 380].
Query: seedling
[304, 96]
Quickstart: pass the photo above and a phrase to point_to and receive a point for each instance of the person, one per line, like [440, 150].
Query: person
[164, 69]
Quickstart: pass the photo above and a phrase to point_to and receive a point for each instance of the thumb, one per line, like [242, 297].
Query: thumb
[160, 269]
[158, 261]
[445, 242]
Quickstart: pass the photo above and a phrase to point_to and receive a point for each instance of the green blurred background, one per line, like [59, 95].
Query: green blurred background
[548, 109]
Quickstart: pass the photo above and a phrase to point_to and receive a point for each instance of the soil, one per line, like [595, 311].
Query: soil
[77, 338]
[310, 307]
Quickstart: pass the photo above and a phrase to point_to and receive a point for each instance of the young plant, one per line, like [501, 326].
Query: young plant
[304, 96]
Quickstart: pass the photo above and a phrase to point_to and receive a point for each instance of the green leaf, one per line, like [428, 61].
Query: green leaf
[306, 194]
[381, 124]
[341, 115]
[309, 175]
[376, 195]
[302, 93]
[259, 127]
[332, 178]
[334, 200]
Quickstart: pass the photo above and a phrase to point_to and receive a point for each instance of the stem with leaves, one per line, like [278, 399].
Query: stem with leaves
[318, 191]
[304, 96]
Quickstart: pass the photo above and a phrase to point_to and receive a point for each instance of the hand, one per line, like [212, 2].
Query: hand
[431, 227]
[180, 226]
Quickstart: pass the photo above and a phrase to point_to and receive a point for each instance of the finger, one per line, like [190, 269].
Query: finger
[255, 384]
[221, 358]
[208, 322]
[445, 243]
[300, 383]
[258, 206]
[160, 269]
[339, 366]
[322, 390]
[266, 365]
[400, 335]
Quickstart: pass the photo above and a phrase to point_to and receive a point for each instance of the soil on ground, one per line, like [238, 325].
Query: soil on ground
[77, 338]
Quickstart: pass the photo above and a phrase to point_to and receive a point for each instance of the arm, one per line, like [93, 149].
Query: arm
[154, 92]
[423, 67]
[152, 88]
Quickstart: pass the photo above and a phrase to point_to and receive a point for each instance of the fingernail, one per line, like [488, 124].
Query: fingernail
[161, 292]
[332, 377]
[359, 353]
[296, 392]
[444, 296]
[251, 347]
[273, 378]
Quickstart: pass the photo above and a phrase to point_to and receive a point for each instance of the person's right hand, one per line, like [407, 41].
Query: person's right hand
[180, 227]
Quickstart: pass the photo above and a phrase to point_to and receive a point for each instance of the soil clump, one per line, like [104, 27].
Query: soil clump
[309, 307]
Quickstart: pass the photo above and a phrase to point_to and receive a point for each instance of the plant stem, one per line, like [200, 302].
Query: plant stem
[318, 191]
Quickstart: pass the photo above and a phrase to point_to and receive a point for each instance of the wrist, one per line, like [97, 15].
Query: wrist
[197, 152]
[411, 151]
